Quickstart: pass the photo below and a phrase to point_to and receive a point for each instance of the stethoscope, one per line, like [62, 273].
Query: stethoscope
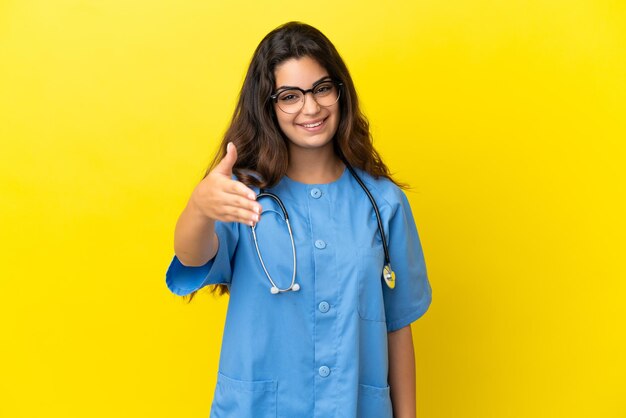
[388, 274]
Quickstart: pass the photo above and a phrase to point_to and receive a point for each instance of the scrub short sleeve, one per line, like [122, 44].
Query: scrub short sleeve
[182, 280]
[412, 294]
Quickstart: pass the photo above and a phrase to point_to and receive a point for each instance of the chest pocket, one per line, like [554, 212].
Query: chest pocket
[371, 304]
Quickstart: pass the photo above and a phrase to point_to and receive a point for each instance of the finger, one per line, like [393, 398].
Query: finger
[237, 214]
[238, 188]
[225, 167]
[242, 202]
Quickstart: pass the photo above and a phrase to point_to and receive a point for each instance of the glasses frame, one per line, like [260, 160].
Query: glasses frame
[338, 84]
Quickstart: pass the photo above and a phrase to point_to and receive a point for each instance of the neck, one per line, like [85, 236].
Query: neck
[314, 166]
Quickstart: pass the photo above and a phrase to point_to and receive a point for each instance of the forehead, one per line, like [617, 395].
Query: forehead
[299, 72]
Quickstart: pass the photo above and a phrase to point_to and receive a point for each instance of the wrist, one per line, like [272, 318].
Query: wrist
[195, 210]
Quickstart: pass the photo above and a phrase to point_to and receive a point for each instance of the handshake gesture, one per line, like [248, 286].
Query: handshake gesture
[220, 198]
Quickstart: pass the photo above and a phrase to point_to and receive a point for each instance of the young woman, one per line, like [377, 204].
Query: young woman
[284, 222]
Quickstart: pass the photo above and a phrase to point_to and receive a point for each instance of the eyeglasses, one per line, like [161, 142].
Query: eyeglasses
[291, 99]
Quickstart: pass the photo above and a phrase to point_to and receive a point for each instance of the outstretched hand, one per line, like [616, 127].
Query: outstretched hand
[221, 198]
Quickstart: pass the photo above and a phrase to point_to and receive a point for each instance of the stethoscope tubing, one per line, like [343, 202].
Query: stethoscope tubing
[388, 273]
[375, 206]
[275, 289]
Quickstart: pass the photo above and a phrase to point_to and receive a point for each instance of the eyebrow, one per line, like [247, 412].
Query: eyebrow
[296, 87]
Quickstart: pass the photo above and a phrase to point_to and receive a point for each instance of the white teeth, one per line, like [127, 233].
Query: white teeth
[313, 125]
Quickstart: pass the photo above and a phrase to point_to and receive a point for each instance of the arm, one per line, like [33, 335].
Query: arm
[216, 198]
[402, 372]
[195, 241]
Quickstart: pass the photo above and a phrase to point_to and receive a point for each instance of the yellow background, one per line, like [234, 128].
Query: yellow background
[507, 118]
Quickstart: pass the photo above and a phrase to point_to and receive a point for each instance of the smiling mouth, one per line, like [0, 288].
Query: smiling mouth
[313, 125]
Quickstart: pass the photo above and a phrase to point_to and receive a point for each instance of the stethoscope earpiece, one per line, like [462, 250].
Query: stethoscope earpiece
[274, 290]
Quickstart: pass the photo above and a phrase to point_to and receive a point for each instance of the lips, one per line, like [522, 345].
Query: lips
[313, 124]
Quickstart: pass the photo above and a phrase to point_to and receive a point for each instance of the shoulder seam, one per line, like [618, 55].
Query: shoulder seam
[371, 183]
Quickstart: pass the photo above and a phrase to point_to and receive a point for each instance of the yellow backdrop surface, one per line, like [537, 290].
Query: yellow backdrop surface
[507, 118]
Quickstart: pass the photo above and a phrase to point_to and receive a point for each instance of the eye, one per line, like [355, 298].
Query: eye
[289, 97]
[324, 89]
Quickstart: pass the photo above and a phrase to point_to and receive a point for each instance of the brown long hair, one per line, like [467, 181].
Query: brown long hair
[262, 151]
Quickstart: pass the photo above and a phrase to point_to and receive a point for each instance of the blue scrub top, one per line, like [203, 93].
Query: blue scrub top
[321, 351]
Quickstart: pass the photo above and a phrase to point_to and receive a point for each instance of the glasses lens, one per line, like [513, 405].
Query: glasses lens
[290, 101]
[326, 94]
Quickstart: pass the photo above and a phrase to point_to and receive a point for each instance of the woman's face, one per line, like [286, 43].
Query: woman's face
[313, 126]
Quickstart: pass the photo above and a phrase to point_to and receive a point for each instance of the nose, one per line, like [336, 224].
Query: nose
[310, 106]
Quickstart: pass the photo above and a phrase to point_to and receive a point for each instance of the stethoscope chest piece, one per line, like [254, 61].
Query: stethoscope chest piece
[389, 276]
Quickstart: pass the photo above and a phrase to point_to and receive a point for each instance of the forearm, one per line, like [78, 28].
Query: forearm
[402, 373]
[195, 241]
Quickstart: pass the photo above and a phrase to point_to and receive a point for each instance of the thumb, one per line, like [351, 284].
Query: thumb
[225, 167]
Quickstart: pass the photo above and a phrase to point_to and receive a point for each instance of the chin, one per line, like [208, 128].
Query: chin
[311, 143]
